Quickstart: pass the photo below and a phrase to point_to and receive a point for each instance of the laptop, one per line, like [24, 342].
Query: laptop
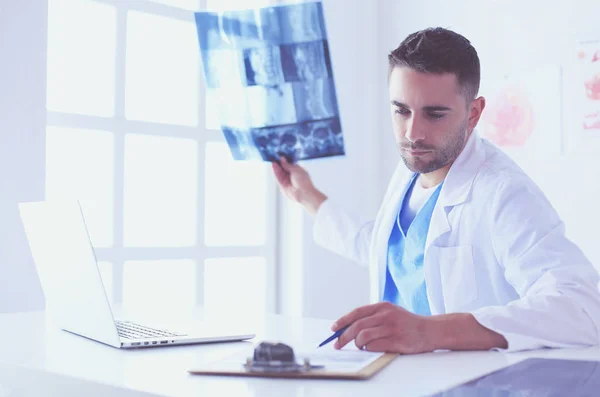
[75, 295]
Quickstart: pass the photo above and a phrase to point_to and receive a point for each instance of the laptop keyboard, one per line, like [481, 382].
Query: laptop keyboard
[129, 330]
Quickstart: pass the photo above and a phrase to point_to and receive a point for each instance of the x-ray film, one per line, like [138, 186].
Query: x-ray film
[268, 70]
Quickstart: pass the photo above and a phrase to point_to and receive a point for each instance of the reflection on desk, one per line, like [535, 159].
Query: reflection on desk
[21, 381]
[535, 377]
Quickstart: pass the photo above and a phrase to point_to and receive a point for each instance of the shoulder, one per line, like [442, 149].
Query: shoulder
[508, 188]
[503, 174]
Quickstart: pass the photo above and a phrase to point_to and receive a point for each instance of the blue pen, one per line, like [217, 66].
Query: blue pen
[334, 336]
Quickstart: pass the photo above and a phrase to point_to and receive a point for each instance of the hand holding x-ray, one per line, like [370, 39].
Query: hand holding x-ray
[295, 182]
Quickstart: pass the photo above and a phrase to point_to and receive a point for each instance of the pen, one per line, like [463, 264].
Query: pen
[334, 336]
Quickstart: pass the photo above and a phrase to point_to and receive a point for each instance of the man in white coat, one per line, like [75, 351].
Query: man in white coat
[466, 252]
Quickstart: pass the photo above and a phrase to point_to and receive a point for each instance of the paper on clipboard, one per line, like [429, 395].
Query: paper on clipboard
[346, 360]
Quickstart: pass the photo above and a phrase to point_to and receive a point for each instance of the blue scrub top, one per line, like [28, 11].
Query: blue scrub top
[405, 277]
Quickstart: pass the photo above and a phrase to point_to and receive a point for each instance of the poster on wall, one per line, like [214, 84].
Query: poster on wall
[582, 97]
[269, 72]
[522, 115]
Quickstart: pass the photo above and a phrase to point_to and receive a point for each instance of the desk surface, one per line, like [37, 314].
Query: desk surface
[30, 342]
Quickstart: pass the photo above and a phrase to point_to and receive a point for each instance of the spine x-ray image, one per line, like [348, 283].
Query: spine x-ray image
[269, 71]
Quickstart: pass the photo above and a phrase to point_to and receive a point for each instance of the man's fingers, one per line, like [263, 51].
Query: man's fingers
[375, 320]
[355, 315]
[280, 174]
[369, 335]
[385, 344]
[286, 164]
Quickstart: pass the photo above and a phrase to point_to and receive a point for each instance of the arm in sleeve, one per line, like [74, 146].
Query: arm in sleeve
[559, 303]
[340, 232]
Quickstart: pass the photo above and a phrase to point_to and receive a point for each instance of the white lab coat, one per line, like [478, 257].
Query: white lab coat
[496, 248]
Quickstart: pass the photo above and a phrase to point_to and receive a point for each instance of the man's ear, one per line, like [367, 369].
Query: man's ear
[475, 110]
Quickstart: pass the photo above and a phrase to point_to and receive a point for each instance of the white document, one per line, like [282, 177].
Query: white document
[345, 360]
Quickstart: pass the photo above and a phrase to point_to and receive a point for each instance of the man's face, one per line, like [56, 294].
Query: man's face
[430, 118]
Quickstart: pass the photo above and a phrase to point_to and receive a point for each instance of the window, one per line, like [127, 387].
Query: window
[175, 222]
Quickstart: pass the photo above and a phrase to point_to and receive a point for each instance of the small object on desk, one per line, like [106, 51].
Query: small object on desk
[336, 335]
[276, 357]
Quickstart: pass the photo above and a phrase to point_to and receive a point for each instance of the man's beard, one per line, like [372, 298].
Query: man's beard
[453, 145]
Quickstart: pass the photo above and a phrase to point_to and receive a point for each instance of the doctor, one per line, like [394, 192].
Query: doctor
[466, 252]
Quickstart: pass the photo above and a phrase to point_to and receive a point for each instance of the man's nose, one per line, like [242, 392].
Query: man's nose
[415, 130]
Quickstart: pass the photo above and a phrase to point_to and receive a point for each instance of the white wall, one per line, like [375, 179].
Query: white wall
[22, 126]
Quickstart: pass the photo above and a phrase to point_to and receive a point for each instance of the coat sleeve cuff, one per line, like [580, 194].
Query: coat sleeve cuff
[516, 343]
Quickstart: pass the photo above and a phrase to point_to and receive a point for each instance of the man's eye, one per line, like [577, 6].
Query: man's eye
[435, 116]
[403, 112]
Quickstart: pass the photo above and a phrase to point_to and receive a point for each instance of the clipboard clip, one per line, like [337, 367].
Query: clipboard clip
[277, 357]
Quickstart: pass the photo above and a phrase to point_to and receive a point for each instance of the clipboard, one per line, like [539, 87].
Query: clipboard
[230, 367]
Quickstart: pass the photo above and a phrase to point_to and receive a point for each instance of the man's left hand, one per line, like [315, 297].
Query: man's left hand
[384, 327]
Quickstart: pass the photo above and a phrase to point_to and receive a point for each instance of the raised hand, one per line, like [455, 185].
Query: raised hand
[297, 185]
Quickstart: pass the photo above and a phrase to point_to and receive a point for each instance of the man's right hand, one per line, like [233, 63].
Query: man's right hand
[296, 184]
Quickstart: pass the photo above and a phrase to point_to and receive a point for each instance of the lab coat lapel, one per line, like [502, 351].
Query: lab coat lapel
[455, 191]
[456, 188]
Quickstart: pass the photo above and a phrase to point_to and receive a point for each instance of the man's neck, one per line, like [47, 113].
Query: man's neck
[434, 178]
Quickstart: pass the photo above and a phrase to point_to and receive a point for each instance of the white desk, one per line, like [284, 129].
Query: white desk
[30, 344]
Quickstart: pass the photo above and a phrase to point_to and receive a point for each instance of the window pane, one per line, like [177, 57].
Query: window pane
[106, 272]
[212, 112]
[81, 57]
[235, 284]
[79, 166]
[162, 70]
[161, 285]
[160, 191]
[235, 202]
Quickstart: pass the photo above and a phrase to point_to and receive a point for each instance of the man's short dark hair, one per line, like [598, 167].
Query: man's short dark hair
[439, 50]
